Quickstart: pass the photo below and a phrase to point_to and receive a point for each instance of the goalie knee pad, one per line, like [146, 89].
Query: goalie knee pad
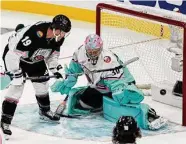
[113, 110]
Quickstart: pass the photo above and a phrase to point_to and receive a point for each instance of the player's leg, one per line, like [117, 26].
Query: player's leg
[41, 90]
[9, 106]
[10, 102]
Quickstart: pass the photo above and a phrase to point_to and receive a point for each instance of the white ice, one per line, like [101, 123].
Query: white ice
[79, 31]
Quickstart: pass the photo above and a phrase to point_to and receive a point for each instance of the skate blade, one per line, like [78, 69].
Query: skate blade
[47, 120]
[7, 137]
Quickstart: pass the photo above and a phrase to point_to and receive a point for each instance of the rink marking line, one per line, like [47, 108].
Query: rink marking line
[50, 9]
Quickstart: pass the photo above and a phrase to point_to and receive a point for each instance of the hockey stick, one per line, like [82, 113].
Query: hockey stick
[40, 77]
[60, 109]
[75, 74]
[118, 67]
[6, 80]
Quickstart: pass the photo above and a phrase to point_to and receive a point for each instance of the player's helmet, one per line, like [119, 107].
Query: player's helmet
[126, 130]
[19, 26]
[93, 46]
[61, 22]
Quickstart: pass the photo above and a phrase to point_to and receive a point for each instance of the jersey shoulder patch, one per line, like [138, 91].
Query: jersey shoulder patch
[107, 59]
[39, 34]
[108, 56]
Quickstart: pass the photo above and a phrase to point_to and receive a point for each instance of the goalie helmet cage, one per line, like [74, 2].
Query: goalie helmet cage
[102, 7]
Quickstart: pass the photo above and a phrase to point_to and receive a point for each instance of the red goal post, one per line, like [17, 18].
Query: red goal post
[103, 6]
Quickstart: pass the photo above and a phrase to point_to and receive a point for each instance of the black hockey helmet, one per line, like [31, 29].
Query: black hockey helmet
[19, 26]
[127, 124]
[126, 130]
[61, 22]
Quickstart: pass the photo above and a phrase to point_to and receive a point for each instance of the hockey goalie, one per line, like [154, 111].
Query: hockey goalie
[108, 77]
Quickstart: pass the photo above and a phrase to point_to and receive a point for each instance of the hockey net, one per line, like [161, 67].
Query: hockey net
[139, 31]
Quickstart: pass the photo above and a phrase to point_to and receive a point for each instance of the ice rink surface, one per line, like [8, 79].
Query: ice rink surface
[78, 33]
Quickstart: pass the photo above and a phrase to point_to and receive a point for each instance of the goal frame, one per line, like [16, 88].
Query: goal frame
[101, 6]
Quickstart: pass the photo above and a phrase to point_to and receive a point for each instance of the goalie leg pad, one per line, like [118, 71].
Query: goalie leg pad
[73, 106]
[130, 94]
[113, 111]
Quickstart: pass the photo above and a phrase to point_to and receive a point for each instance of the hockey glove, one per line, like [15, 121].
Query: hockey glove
[17, 77]
[58, 75]
[57, 71]
[64, 86]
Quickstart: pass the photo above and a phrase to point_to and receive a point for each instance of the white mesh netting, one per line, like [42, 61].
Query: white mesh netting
[130, 36]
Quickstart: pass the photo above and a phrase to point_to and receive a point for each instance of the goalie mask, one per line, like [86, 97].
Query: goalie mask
[126, 130]
[93, 47]
[61, 23]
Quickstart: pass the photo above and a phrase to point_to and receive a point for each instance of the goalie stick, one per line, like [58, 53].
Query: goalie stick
[109, 69]
[118, 67]
[60, 109]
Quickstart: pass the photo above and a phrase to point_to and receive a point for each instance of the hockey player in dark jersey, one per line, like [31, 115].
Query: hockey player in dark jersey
[28, 53]
[126, 131]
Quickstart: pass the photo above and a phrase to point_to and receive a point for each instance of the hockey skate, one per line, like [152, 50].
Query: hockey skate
[6, 130]
[158, 123]
[155, 121]
[49, 116]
